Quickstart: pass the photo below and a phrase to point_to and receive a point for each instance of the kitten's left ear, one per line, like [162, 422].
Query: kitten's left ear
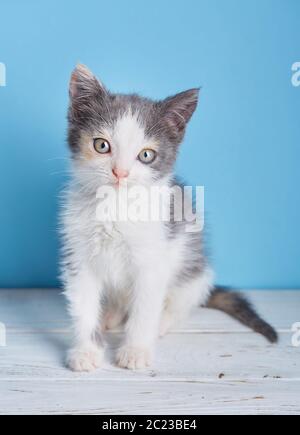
[177, 112]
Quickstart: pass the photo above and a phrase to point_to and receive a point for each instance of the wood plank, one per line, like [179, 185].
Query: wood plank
[160, 398]
[210, 365]
[184, 357]
[29, 310]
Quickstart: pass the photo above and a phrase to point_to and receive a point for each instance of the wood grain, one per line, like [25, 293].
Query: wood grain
[210, 365]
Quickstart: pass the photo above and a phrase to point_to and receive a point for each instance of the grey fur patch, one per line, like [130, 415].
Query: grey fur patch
[195, 260]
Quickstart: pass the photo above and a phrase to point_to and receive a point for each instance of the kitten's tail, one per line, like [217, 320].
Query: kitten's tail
[238, 307]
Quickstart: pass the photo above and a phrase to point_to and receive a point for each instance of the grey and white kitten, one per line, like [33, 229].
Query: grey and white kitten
[147, 275]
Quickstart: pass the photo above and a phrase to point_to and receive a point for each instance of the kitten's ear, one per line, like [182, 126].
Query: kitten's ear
[178, 110]
[84, 84]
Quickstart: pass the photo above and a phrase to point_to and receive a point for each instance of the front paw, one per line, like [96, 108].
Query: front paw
[130, 357]
[84, 359]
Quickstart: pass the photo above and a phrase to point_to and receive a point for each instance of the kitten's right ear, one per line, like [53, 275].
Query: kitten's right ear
[177, 111]
[83, 84]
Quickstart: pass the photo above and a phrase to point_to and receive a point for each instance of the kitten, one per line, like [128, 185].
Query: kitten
[147, 275]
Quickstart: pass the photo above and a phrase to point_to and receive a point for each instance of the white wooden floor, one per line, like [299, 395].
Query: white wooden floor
[211, 366]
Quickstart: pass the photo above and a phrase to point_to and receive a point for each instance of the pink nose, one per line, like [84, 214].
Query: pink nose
[120, 173]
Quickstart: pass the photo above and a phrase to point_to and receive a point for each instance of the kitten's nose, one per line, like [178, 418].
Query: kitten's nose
[120, 173]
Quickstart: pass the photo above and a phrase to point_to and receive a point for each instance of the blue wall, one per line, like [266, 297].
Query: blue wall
[243, 144]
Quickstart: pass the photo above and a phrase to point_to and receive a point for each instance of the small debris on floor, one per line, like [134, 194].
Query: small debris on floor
[272, 377]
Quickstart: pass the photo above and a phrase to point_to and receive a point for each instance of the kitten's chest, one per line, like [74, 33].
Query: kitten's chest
[120, 248]
[111, 253]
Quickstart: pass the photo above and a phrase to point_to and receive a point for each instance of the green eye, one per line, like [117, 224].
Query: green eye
[101, 146]
[147, 156]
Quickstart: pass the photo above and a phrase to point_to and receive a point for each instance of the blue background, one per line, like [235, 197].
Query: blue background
[242, 144]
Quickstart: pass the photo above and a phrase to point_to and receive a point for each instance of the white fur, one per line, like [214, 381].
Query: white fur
[122, 269]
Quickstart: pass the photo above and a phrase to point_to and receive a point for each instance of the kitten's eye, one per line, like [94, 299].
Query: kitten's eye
[101, 146]
[147, 156]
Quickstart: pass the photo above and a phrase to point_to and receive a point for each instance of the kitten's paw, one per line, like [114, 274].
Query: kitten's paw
[134, 357]
[85, 359]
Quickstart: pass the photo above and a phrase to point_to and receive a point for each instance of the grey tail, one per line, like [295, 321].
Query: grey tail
[238, 307]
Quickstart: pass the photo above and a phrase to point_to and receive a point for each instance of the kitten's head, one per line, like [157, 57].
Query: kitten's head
[115, 137]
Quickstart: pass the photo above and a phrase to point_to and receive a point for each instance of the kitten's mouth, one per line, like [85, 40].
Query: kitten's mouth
[120, 182]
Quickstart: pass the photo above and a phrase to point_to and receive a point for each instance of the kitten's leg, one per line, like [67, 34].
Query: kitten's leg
[180, 300]
[83, 294]
[143, 318]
